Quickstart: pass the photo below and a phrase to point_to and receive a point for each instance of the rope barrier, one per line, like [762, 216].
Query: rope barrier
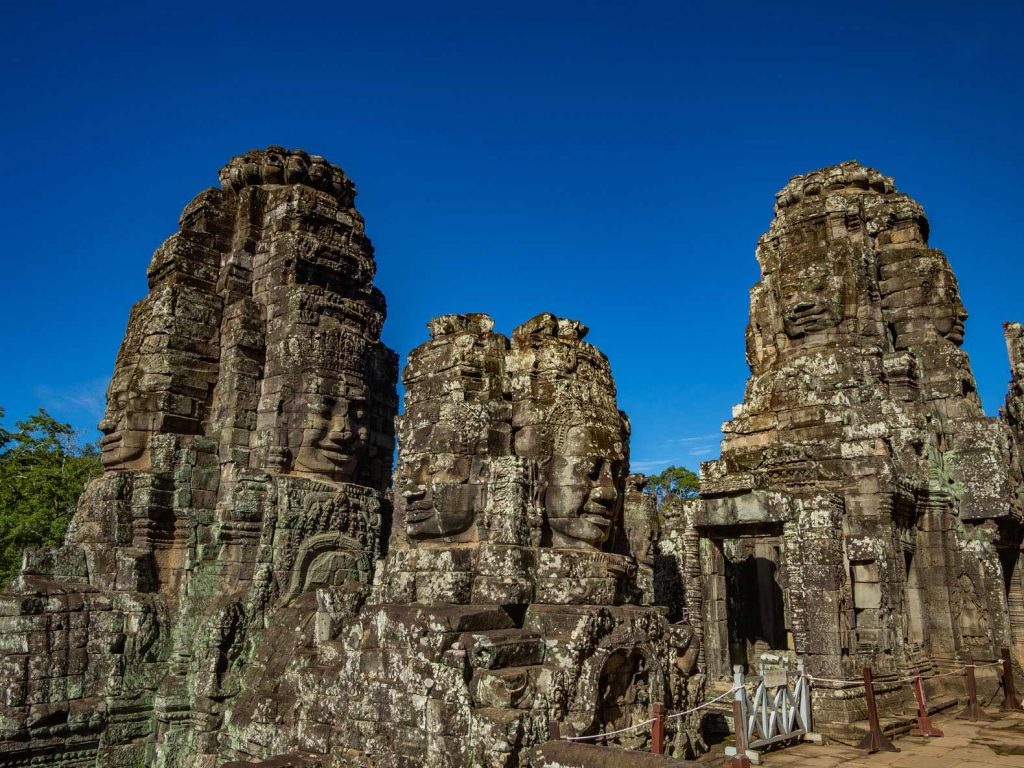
[702, 706]
[812, 678]
[609, 733]
[946, 674]
[816, 679]
[901, 680]
[645, 723]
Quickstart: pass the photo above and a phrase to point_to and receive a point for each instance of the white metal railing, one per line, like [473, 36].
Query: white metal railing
[778, 710]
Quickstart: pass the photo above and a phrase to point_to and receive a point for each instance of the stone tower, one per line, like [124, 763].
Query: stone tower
[247, 450]
[864, 506]
[510, 597]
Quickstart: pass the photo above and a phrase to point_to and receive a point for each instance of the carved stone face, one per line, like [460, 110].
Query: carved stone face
[132, 417]
[136, 406]
[811, 298]
[296, 166]
[640, 516]
[583, 479]
[920, 292]
[273, 166]
[319, 170]
[440, 500]
[328, 436]
[947, 310]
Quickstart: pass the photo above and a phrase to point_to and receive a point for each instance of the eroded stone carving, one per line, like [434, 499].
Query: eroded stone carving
[223, 563]
[857, 473]
[247, 449]
[225, 595]
[510, 596]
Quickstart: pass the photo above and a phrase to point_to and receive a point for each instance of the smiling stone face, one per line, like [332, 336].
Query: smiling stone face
[566, 419]
[921, 297]
[441, 501]
[950, 315]
[131, 418]
[812, 299]
[584, 479]
[455, 423]
[159, 387]
[330, 437]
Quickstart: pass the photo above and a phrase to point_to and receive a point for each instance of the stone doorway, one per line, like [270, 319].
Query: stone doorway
[755, 604]
[917, 633]
[1012, 565]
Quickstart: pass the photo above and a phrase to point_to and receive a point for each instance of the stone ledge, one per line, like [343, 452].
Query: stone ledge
[565, 754]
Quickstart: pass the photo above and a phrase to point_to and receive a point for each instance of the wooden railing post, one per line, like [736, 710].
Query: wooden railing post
[875, 740]
[658, 728]
[1010, 701]
[740, 759]
[739, 720]
[972, 711]
[924, 722]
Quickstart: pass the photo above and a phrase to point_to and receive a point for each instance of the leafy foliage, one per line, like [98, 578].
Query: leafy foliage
[673, 483]
[43, 470]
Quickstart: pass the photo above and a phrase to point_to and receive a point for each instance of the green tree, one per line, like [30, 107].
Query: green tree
[673, 483]
[43, 470]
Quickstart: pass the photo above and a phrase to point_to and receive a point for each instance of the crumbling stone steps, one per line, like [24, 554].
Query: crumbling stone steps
[852, 733]
[566, 754]
[292, 760]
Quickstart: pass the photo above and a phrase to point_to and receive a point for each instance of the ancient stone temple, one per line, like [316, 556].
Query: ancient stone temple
[511, 596]
[251, 581]
[247, 451]
[864, 510]
[237, 587]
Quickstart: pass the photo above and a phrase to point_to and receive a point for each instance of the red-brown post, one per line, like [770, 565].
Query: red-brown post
[658, 728]
[554, 732]
[740, 760]
[1010, 701]
[972, 711]
[875, 740]
[924, 722]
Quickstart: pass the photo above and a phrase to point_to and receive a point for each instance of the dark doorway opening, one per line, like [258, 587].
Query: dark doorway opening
[756, 611]
[1008, 557]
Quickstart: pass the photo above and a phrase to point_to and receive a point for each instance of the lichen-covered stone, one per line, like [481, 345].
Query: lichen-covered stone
[512, 594]
[225, 595]
[247, 584]
[862, 493]
[247, 451]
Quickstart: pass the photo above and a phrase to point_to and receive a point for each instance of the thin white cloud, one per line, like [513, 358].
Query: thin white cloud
[700, 447]
[82, 401]
[694, 439]
[649, 464]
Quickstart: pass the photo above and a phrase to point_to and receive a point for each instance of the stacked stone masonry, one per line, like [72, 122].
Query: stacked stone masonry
[227, 593]
[251, 582]
[864, 510]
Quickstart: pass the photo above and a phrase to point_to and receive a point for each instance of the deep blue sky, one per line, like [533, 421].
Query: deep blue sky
[613, 162]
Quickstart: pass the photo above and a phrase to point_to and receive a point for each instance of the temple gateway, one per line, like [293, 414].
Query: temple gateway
[257, 580]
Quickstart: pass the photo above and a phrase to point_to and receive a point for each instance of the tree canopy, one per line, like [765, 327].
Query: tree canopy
[43, 469]
[673, 483]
